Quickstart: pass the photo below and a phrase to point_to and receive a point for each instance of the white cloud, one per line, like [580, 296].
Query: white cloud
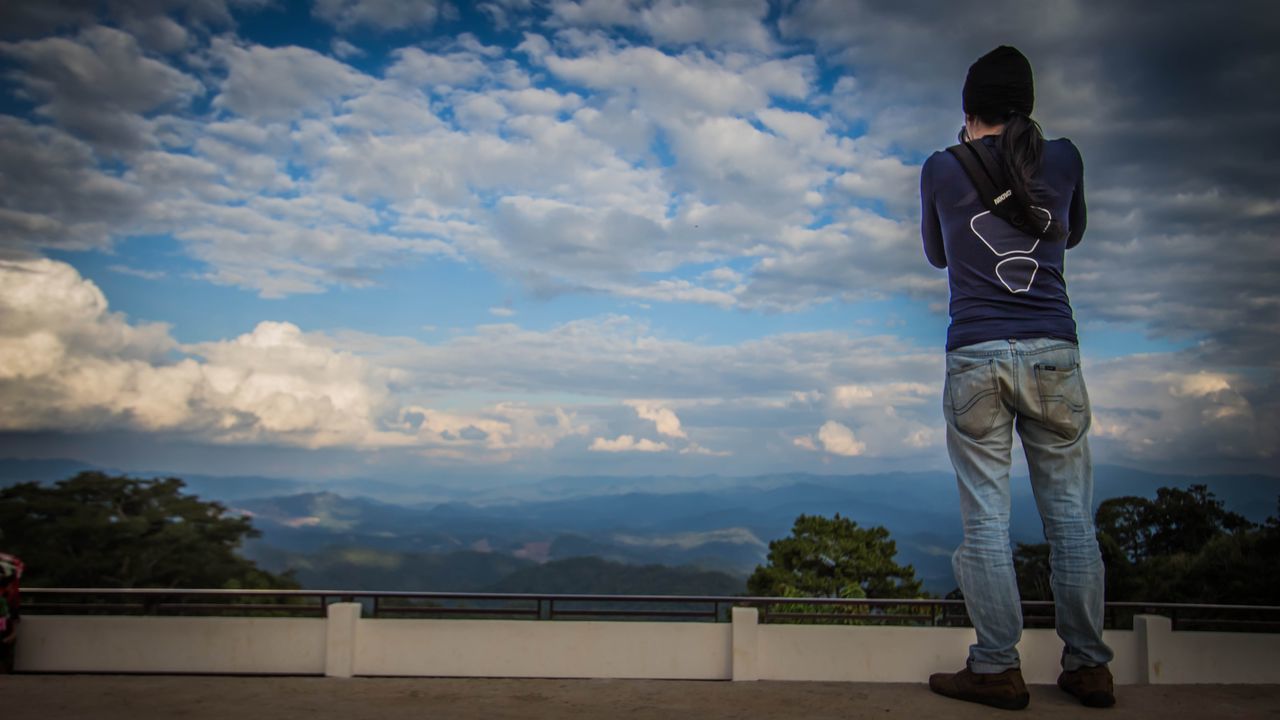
[839, 440]
[1171, 408]
[493, 435]
[627, 443]
[137, 272]
[381, 14]
[710, 167]
[286, 246]
[416, 67]
[389, 109]
[1156, 202]
[41, 17]
[729, 160]
[664, 419]
[723, 276]
[71, 364]
[618, 357]
[675, 85]
[694, 448]
[52, 193]
[68, 363]
[883, 394]
[505, 13]
[282, 83]
[714, 23]
[538, 101]
[345, 50]
[159, 34]
[99, 84]
[573, 197]
[676, 291]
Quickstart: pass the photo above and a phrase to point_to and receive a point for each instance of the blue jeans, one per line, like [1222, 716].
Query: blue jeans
[1035, 386]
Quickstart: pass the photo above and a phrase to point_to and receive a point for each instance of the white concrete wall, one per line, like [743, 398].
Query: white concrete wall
[906, 654]
[345, 644]
[1188, 658]
[523, 648]
[214, 645]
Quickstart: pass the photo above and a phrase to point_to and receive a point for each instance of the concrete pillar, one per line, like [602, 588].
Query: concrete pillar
[340, 639]
[746, 634]
[1154, 635]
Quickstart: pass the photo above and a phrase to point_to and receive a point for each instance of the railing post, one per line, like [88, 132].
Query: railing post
[1153, 635]
[340, 639]
[746, 645]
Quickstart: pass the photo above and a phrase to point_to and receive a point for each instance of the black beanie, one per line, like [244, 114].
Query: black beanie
[999, 82]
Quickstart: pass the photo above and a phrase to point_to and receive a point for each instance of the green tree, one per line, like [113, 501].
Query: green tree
[1185, 546]
[1031, 567]
[1177, 521]
[1125, 522]
[834, 558]
[1183, 521]
[96, 530]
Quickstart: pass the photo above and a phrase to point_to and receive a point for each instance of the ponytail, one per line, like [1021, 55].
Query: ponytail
[1022, 148]
[1021, 152]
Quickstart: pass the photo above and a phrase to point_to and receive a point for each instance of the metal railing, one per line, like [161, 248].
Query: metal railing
[543, 606]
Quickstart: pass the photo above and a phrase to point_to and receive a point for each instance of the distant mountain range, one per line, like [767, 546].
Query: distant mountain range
[366, 535]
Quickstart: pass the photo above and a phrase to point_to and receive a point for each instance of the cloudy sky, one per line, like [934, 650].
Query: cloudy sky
[517, 238]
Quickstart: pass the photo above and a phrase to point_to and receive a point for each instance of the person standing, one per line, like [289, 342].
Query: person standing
[10, 573]
[1013, 363]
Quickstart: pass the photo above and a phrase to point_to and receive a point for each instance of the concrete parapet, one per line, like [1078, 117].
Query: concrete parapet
[344, 645]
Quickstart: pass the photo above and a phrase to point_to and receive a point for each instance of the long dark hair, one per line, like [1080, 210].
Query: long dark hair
[1021, 150]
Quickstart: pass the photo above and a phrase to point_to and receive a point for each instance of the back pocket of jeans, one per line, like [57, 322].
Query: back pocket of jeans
[975, 399]
[1062, 399]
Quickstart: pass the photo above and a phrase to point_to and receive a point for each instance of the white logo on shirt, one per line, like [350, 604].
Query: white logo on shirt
[1017, 273]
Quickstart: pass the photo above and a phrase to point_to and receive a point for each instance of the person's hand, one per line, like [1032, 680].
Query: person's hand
[8, 639]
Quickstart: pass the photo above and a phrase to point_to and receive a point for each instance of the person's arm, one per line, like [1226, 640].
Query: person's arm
[1078, 218]
[11, 601]
[930, 226]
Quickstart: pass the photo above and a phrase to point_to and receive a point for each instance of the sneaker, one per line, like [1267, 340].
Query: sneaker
[1004, 690]
[1091, 685]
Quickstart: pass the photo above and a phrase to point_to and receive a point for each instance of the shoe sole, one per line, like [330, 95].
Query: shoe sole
[1013, 703]
[1099, 699]
[1018, 703]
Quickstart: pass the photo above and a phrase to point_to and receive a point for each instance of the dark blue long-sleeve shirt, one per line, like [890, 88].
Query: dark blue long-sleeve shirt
[1005, 284]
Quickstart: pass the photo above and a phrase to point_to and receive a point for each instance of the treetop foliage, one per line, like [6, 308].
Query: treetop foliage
[833, 557]
[1176, 521]
[1181, 546]
[97, 530]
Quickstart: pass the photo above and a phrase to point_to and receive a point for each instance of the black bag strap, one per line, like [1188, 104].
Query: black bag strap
[995, 191]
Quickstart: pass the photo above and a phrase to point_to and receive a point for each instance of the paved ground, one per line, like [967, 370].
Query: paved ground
[108, 697]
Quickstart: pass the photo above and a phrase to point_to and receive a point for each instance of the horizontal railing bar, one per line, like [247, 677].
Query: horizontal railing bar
[191, 591]
[1226, 621]
[850, 616]
[646, 613]
[383, 610]
[38, 593]
[311, 609]
[87, 606]
[1190, 606]
[487, 596]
